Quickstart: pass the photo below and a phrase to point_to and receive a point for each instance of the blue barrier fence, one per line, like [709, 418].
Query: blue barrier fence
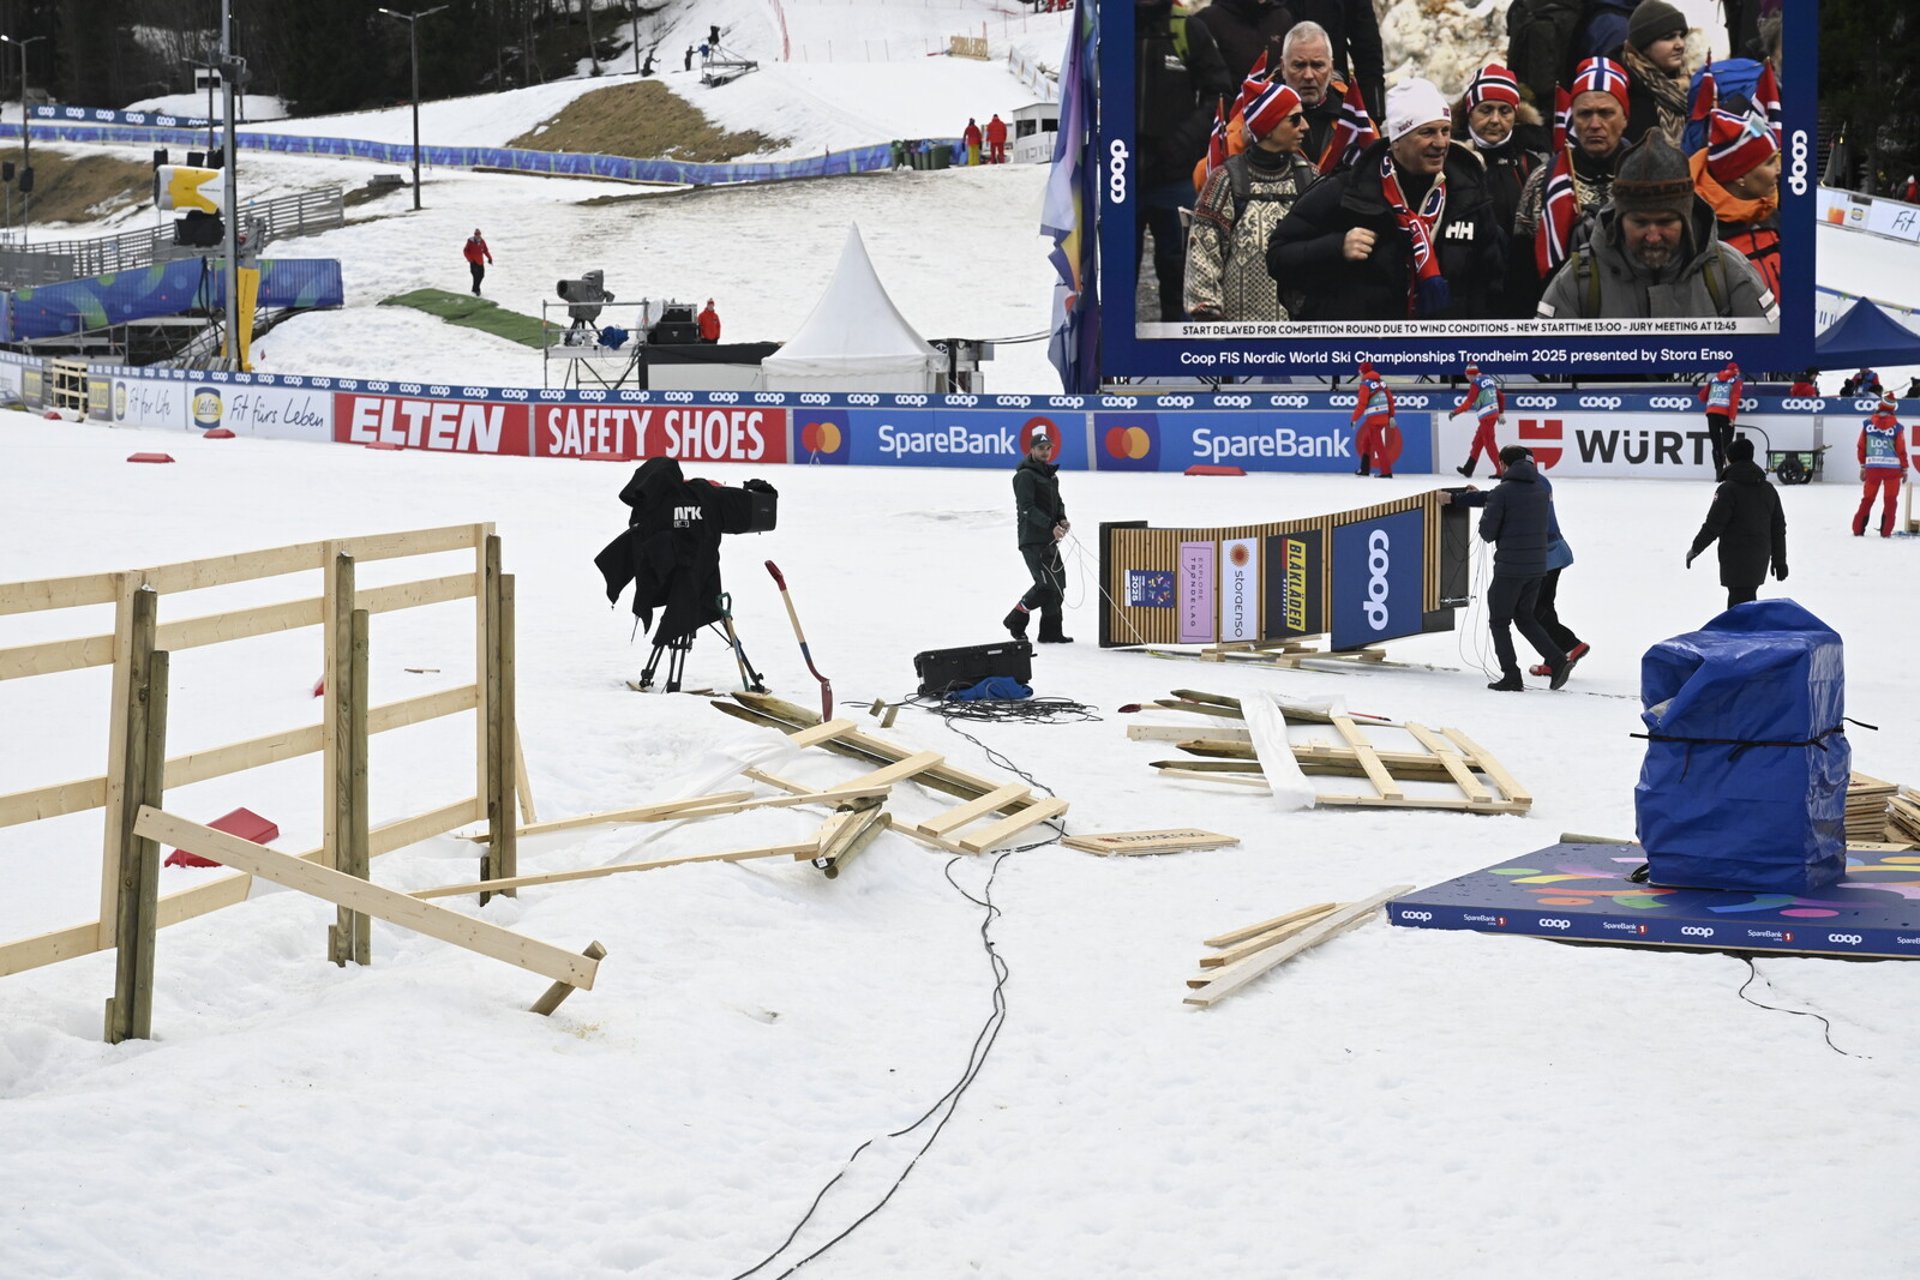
[163, 289]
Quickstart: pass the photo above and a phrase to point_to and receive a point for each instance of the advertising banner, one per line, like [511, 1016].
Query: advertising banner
[692, 433]
[145, 402]
[822, 436]
[1664, 444]
[1377, 571]
[282, 413]
[1197, 565]
[940, 437]
[1295, 582]
[1302, 441]
[443, 426]
[1240, 589]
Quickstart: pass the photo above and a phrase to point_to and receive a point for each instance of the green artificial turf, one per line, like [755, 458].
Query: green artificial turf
[474, 313]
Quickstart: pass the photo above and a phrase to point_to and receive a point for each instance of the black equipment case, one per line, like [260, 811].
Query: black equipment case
[943, 669]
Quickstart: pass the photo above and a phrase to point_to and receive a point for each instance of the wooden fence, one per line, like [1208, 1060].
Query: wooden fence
[138, 770]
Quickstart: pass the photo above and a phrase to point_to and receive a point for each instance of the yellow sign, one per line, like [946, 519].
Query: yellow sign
[189, 189]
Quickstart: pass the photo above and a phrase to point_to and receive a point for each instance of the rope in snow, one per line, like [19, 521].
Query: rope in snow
[1826, 1027]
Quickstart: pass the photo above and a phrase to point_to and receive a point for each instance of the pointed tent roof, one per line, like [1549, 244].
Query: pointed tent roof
[854, 330]
[1864, 334]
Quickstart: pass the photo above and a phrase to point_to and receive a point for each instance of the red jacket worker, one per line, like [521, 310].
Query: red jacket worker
[1883, 464]
[477, 255]
[996, 140]
[709, 323]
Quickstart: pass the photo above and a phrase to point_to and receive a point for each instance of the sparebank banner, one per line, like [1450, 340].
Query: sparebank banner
[1256, 441]
[692, 433]
[1623, 445]
[944, 437]
[1377, 566]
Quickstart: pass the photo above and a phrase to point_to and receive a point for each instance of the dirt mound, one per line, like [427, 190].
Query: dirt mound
[69, 188]
[643, 120]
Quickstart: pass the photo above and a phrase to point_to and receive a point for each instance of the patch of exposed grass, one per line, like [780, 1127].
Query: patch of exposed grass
[70, 188]
[644, 120]
[473, 313]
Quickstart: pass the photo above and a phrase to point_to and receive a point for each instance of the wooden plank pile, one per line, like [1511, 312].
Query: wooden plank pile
[1480, 783]
[1903, 817]
[1241, 955]
[1869, 809]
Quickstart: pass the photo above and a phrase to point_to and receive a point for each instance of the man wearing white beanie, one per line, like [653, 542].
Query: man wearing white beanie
[1408, 232]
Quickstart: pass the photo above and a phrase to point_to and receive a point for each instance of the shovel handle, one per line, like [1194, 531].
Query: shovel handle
[779, 578]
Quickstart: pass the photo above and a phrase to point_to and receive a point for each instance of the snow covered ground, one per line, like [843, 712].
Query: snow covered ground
[1396, 1103]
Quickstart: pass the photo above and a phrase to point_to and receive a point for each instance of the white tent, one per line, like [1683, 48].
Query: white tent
[855, 339]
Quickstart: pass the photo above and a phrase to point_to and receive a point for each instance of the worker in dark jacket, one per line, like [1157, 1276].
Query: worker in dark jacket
[1041, 518]
[1179, 83]
[1751, 528]
[1409, 232]
[1517, 519]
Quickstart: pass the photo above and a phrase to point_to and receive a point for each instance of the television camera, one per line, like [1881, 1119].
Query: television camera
[670, 552]
[584, 298]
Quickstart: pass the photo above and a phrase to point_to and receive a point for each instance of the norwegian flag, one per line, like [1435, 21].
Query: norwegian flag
[1551, 241]
[1766, 99]
[1259, 68]
[1217, 140]
[1562, 118]
[1353, 133]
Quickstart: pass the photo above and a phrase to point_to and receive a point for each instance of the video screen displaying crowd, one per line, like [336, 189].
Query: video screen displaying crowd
[1610, 175]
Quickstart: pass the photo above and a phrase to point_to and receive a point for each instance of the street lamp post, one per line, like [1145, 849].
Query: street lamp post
[413, 51]
[26, 138]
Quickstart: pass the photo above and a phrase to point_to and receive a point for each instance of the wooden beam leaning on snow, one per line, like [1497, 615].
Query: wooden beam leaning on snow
[1170, 840]
[375, 900]
[804, 848]
[1226, 981]
[717, 804]
[1260, 942]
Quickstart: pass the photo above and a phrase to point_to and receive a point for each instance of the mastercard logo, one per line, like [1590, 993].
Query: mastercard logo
[1128, 442]
[821, 437]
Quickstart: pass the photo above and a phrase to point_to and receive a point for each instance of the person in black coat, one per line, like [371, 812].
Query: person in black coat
[1041, 519]
[1245, 29]
[1179, 82]
[1353, 30]
[1517, 518]
[1747, 521]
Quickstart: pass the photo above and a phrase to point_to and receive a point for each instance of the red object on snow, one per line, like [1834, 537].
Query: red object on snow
[244, 823]
[1210, 469]
[218, 433]
[149, 457]
[385, 444]
[606, 456]
[55, 415]
[320, 686]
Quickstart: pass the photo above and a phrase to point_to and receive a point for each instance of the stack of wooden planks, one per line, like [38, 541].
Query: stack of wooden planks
[1241, 955]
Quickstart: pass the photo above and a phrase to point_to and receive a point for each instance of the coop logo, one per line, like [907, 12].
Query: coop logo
[1799, 404]
[1173, 402]
[1663, 402]
[1600, 402]
[1534, 432]
[863, 397]
[1534, 402]
[1696, 931]
[1343, 401]
[953, 441]
[1555, 922]
[1845, 939]
[823, 437]
[1117, 172]
[1417, 917]
[1131, 445]
[1379, 561]
[207, 409]
[1797, 171]
[449, 426]
[1281, 442]
[1287, 402]
[1413, 401]
[1039, 426]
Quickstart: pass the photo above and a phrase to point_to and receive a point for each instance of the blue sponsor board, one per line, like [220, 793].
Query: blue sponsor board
[944, 437]
[1255, 440]
[1583, 891]
[822, 435]
[1377, 574]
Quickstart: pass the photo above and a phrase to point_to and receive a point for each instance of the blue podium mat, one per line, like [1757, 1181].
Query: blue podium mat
[1581, 891]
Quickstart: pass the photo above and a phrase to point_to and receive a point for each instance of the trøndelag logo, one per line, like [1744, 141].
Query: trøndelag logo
[1129, 442]
[822, 435]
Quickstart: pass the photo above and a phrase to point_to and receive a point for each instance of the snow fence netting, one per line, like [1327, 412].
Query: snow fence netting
[1744, 785]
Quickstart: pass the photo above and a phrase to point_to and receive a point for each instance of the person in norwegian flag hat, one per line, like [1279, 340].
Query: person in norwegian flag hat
[1883, 465]
[1590, 125]
[1738, 174]
[1510, 138]
[1409, 232]
[1240, 204]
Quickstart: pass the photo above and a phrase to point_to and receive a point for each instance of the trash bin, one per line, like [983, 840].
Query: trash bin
[942, 156]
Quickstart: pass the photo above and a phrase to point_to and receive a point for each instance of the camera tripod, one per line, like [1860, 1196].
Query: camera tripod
[677, 649]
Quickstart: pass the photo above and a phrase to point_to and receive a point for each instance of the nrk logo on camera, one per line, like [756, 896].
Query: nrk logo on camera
[1126, 442]
[1377, 579]
[822, 435]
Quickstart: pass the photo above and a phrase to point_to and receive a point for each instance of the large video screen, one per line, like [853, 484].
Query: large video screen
[1325, 248]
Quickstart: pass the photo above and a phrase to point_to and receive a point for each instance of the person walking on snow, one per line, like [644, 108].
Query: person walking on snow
[1376, 440]
[996, 140]
[1751, 529]
[688, 66]
[1883, 465]
[1546, 610]
[477, 255]
[1517, 518]
[1722, 396]
[709, 323]
[972, 138]
[1488, 403]
[1041, 518]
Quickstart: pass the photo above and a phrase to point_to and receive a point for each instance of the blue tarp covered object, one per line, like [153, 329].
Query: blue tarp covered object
[1745, 781]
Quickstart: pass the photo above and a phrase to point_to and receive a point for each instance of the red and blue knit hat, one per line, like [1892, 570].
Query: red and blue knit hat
[1267, 105]
[1494, 84]
[1737, 145]
[1601, 75]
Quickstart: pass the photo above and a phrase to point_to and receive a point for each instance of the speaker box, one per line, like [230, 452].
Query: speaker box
[943, 669]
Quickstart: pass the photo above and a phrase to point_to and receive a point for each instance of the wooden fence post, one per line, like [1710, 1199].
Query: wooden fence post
[143, 772]
[357, 925]
[502, 857]
[486, 603]
[344, 751]
[506, 856]
[118, 815]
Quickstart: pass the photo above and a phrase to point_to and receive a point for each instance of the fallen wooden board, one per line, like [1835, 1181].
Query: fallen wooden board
[805, 849]
[1254, 930]
[960, 815]
[1258, 943]
[1166, 840]
[371, 899]
[1186, 733]
[1234, 779]
[638, 813]
[1233, 977]
[1007, 828]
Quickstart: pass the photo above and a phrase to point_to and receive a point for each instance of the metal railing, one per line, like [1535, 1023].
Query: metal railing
[262, 221]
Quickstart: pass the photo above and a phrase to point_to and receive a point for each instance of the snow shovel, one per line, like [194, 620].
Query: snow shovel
[826, 685]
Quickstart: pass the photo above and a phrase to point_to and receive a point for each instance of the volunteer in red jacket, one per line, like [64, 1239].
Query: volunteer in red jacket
[477, 255]
[996, 140]
[1376, 439]
[1488, 403]
[972, 138]
[709, 323]
[1722, 397]
[1883, 465]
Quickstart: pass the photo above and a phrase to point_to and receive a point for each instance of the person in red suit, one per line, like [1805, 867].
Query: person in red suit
[1489, 404]
[1883, 465]
[1376, 438]
[996, 140]
[709, 323]
[972, 138]
[477, 254]
[1721, 394]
